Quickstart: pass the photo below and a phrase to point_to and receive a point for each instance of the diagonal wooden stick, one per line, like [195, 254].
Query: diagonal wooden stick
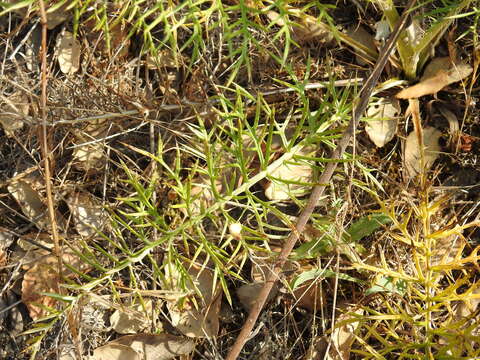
[317, 192]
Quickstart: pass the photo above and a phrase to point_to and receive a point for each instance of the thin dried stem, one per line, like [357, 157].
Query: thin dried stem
[317, 192]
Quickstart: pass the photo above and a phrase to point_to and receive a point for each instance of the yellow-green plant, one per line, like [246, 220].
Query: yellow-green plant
[424, 308]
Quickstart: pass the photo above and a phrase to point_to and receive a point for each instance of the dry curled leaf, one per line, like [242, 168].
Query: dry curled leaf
[88, 215]
[382, 124]
[438, 74]
[43, 278]
[114, 351]
[361, 36]
[309, 28]
[69, 50]
[343, 335]
[199, 318]
[129, 322]
[288, 178]
[157, 347]
[412, 159]
[13, 109]
[31, 203]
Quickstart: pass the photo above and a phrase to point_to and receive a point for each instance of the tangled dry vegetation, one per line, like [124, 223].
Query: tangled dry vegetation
[148, 182]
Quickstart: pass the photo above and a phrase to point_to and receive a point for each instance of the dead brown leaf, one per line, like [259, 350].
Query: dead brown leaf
[69, 50]
[87, 213]
[115, 351]
[309, 296]
[12, 110]
[412, 158]
[360, 35]
[42, 278]
[157, 347]
[124, 322]
[195, 316]
[436, 77]
[382, 124]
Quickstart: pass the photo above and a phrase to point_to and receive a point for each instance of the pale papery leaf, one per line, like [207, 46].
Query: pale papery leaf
[467, 307]
[31, 203]
[382, 124]
[16, 106]
[114, 351]
[432, 149]
[69, 50]
[280, 188]
[157, 347]
[437, 75]
[196, 323]
[343, 335]
[89, 157]
[88, 215]
[200, 319]
[130, 322]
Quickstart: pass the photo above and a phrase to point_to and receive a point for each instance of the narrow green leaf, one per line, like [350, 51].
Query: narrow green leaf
[321, 273]
[366, 226]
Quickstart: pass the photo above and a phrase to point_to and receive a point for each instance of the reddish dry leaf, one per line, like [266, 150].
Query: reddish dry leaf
[309, 296]
[43, 278]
